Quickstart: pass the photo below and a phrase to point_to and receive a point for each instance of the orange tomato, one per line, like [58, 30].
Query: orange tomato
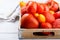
[51, 12]
[36, 15]
[22, 4]
[41, 18]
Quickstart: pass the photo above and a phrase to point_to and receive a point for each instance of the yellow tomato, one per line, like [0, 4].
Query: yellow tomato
[41, 18]
[22, 4]
[36, 15]
[51, 12]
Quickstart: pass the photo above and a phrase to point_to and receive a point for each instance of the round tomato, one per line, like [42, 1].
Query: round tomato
[54, 6]
[40, 8]
[57, 14]
[32, 7]
[46, 25]
[29, 21]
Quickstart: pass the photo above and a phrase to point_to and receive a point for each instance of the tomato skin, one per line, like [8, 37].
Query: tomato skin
[41, 18]
[46, 33]
[57, 14]
[40, 8]
[23, 10]
[46, 25]
[49, 17]
[22, 4]
[32, 8]
[52, 12]
[54, 6]
[49, 1]
[56, 23]
[46, 8]
[28, 21]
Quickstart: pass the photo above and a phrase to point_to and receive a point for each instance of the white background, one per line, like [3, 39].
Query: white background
[8, 30]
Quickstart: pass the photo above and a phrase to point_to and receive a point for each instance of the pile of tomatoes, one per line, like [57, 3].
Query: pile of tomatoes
[40, 15]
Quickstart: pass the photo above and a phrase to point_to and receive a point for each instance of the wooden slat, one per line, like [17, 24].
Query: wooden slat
[27, 34]
[39, 30]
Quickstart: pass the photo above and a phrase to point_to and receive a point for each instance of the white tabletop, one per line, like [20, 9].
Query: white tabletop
[8, 30]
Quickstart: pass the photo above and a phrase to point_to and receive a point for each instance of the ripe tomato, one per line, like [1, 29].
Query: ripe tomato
[32, 7]
[56, 23]
[41, 18]
[57, 14]
[46, 25]
[40, 8]
[49, 17]
[49, 1]
[23, 10]
[54, 6]
[46, 33]
[28, 21]
[36, 15]
[51, 12]
[46, 8]
[22, 4]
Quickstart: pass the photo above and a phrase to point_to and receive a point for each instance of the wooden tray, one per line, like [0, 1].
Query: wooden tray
[28, 33]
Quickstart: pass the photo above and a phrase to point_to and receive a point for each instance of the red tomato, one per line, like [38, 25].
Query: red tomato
[29, 3]
[32, 8]
[49, 17]
[49, 1]
[46, 33]
[54, 6]
[57, 14]
[23, 10]
[46, 8]
[46, 25]
[40, 8]
[29, 21]
[56, 24]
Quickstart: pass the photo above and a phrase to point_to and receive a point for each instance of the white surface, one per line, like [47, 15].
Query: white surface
[9, 27]
[7, 6]
[8, 30]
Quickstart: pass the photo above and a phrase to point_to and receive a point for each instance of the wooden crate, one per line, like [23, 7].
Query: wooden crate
[28, 33]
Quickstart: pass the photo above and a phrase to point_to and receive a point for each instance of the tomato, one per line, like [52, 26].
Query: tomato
[46, 25]
[36, 15]
[46, 33]
[29, 21]
[49, 17]
[46, 8]
[40, 8]
[41, 18]
[49, 1]
[54, 6]
[56, 23]
[57, 14]
[32, 8]
[51, 12]
[23, 10]
[22, 4]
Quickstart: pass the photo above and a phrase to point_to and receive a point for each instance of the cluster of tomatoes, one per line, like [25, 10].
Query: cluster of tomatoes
[36, 15]
[40, 15]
